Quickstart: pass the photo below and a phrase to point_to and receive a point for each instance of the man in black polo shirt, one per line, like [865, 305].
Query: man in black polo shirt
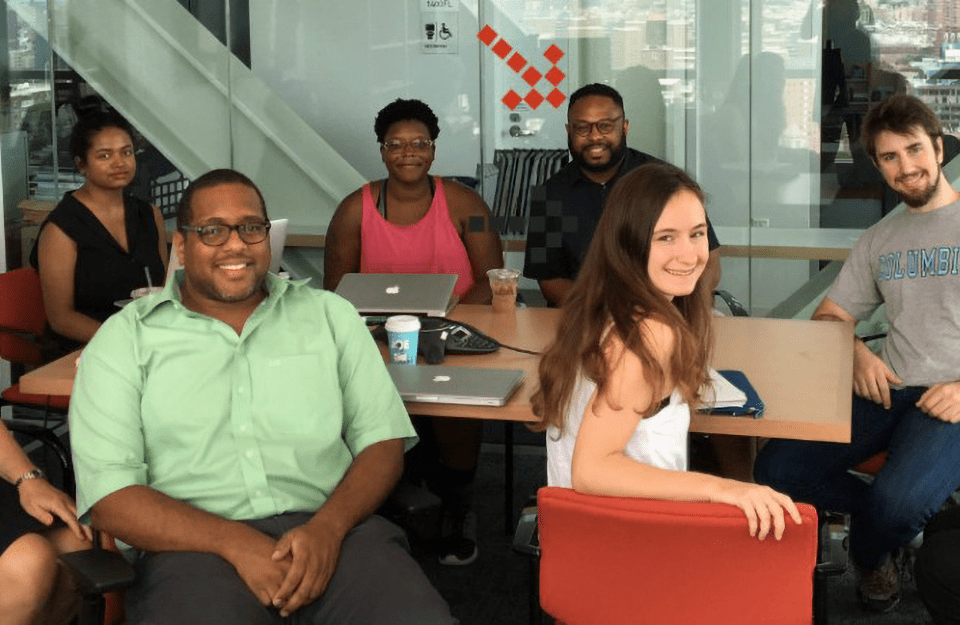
[564, 212]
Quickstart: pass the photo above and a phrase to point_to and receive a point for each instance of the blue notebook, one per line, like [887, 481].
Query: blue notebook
[752, 407]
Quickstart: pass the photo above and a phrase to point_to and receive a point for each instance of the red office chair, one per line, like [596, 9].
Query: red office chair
[22, 321]
[624, 560]
[873, 464]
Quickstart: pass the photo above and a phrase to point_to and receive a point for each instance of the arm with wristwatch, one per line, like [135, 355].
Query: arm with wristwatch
[32, 474]
[38, 497]
[35, 588]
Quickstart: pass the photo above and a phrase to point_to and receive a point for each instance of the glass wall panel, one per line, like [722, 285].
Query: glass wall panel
[36, 121]
[842, 57]
[150, 61]
[761, 99]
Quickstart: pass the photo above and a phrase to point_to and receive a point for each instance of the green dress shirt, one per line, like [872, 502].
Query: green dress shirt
[245, 426]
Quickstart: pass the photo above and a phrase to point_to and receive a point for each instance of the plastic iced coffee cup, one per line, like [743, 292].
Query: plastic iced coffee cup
[403, 334]
[503, 283]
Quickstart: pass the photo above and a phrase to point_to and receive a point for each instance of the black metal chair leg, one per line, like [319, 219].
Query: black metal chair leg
[91, 610]
[508, 478]
[820, 597]
[533, 591]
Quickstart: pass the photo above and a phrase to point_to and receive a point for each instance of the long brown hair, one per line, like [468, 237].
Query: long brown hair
[613, 293]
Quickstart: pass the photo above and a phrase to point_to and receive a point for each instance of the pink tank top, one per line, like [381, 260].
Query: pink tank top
[432, 245]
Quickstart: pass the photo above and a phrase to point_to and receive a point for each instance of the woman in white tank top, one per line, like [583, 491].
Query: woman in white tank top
[631, 353]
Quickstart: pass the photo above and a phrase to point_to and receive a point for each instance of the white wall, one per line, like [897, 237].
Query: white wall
[338, 63]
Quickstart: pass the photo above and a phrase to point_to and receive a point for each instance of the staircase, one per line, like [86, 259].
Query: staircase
[200, 106]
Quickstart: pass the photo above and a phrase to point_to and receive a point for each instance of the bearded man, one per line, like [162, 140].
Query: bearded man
[906, 400]
[565, 210]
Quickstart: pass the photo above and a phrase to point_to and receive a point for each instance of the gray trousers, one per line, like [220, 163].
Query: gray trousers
[376, 581]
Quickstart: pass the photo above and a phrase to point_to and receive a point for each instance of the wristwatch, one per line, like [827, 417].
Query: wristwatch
[35, 474]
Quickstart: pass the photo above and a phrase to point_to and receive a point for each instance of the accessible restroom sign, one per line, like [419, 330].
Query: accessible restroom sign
[439, 27]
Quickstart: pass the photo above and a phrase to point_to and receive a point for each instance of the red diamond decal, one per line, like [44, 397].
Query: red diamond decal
[487, 35]
[516, 62]
[532, 76]
[556, 98]
[555, 76]
[502, 49]
[534, 99]
[511, 99]
[553, 54]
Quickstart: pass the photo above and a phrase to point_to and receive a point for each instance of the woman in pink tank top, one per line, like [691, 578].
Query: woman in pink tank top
[412, 222]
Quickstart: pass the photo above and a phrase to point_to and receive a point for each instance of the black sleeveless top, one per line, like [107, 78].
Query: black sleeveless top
[105, 272]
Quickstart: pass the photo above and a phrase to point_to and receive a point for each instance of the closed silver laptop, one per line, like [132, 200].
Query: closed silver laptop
[399, 293]
[442, 384]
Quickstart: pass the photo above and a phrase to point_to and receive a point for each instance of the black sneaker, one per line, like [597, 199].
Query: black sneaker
[458, 547]
[879, 590]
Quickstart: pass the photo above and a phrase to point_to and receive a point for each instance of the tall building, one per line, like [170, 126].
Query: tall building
[946, 15]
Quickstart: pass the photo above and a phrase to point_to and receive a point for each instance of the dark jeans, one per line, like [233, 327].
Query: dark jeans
[937, 568]
[921, 472]
[376, 582]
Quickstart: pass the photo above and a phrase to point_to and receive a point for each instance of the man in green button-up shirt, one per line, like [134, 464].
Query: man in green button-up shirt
[239, 431]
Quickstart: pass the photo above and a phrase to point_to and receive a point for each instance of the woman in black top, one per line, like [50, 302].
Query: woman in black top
[97, 244]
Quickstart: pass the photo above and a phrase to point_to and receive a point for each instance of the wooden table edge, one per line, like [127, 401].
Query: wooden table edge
[30, 381]
[705, 423]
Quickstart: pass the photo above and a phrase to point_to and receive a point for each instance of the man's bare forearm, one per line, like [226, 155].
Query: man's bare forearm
[555, 290]
[152, 521]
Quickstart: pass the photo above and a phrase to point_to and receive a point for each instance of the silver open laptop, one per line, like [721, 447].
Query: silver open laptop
[406, 293]
[442, 384]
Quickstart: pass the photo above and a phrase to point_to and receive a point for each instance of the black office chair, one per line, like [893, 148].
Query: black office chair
[98, 571]
[414, 509]
[736, 308]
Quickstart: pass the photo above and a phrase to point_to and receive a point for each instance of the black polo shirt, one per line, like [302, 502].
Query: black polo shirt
[564, 212]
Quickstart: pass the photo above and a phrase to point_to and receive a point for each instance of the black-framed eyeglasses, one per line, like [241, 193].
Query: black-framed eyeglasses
[217, 234]
[604, 126]
[399, 145]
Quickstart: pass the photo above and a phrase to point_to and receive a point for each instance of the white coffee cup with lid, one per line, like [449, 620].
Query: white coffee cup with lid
[403, 334]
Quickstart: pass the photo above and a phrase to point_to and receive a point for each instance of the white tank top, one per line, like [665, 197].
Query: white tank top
[660, 440]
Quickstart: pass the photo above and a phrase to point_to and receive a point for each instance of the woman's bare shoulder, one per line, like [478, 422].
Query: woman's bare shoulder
[349, 210]
[51, 233]
[625, 386]
[660, 336]
[462, 200]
